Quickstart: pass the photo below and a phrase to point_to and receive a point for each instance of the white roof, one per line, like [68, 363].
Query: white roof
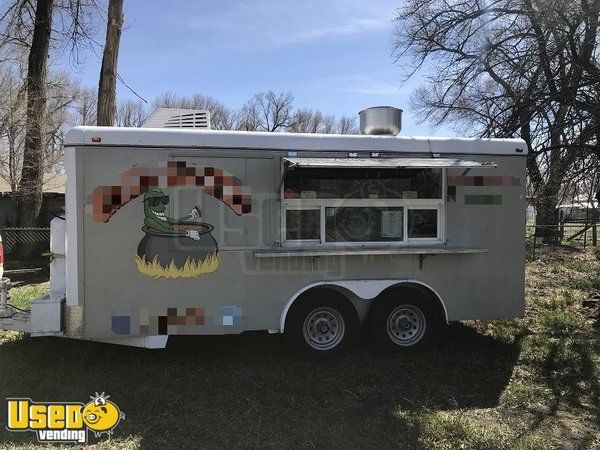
[186, 138]
[582, 205]
[383, 163]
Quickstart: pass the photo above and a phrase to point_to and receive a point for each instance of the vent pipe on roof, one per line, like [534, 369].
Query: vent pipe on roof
[383, 120]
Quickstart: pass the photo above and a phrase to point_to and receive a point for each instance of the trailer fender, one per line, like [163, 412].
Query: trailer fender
[363, 289]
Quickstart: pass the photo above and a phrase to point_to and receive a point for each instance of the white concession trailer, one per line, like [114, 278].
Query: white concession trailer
[176, 231]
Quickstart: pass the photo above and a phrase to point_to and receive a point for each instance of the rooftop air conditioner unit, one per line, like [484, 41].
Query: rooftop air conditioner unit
[178, 118]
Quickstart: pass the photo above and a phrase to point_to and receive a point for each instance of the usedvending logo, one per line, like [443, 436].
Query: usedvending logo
[66, 422]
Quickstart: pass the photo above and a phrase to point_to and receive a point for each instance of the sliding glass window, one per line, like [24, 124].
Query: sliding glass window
[354, 205]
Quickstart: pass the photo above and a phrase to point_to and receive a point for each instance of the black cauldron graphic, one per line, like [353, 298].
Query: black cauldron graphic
[175, 255]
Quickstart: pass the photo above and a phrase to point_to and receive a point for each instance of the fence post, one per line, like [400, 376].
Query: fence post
[561, 231]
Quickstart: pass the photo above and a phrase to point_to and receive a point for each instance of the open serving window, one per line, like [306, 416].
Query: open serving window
[365, 200]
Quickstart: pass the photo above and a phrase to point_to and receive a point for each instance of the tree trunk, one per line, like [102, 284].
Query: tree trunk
[29, 192]
[546, 217]
[107, 88]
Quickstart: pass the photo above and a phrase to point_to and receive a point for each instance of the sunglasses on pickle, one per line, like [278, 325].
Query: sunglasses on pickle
[154, 201]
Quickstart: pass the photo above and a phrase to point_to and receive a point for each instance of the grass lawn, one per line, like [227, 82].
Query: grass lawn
[530, 383]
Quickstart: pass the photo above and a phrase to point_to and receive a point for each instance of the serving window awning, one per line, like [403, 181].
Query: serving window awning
[386, 163]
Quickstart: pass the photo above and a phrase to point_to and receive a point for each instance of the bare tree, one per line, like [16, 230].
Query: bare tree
[27, 37]
[61, 99]
[268, 111]
[347, 125]
[61, 111]
[12, 125]
[131, 113]
[511, 68]
[309, 121]
[107, 88]
[85, 106]
[29, 192]
[248, 119]
[302, 122]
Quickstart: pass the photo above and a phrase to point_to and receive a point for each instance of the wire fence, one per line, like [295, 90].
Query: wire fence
[13, 238]
[576, 234]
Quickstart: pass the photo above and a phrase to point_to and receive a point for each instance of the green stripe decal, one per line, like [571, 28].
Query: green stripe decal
[483, 199]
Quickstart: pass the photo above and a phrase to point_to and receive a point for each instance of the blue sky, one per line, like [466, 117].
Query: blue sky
[334, 55]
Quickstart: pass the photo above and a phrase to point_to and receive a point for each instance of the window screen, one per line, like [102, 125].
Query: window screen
[303, 224]
[422, 223]
[364, 224]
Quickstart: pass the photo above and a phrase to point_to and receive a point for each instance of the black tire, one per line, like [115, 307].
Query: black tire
[329, 308]
[403, 319]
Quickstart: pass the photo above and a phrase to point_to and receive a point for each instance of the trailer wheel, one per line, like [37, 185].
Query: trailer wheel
[322, 325]
[403, 319]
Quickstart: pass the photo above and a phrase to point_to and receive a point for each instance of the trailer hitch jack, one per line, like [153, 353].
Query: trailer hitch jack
[5, 310]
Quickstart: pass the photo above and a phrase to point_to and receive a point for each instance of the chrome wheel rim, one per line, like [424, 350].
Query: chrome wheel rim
[323, 328]
[406, 325]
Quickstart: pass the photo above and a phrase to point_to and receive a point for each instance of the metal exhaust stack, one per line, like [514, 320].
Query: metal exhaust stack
[382, 120]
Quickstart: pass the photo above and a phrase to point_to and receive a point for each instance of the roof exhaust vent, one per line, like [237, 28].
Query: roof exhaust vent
[178, 118]
[383, 120]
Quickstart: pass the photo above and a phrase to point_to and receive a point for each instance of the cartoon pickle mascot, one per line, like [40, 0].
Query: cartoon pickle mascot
[101, 415]
[174, 248]
[155, 202]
